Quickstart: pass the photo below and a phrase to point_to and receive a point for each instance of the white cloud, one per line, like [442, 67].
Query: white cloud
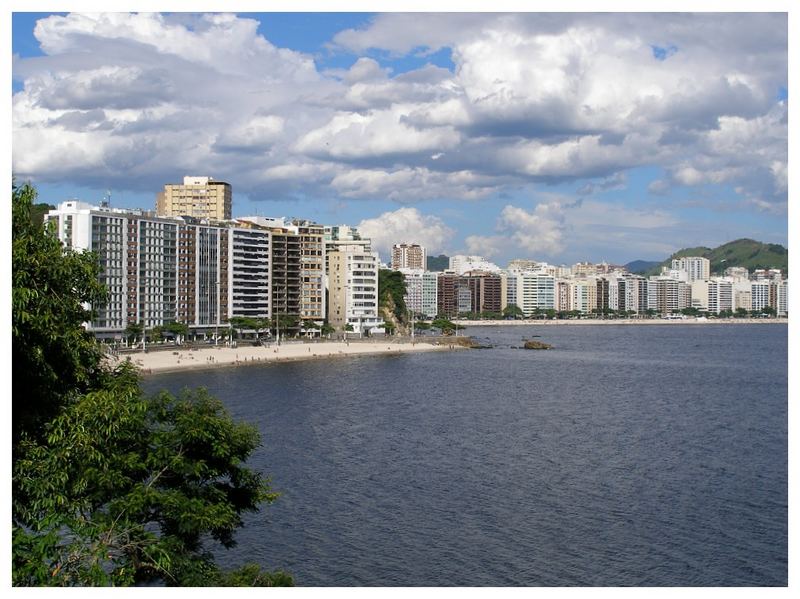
[532, 98]
[406, 225]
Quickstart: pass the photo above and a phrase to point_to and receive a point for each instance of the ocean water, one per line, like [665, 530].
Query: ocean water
[626, 455]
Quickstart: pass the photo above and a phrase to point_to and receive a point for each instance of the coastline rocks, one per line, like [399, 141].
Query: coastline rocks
[531, 344]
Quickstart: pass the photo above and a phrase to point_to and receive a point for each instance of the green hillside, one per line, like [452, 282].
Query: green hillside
[438, 263]
[742, 252]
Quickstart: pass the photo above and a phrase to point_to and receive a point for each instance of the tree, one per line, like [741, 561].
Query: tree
[179, 329]
[392, 284]
[110, 486]
[513, 311]
[124, 488]
[54, 358]
[447, 327]
[132, 331]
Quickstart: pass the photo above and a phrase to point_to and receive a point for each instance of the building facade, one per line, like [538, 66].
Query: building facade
[353, 289]
[200, 197]
[406, 255]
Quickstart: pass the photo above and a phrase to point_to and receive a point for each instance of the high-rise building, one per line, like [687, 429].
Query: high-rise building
[696, 267]
[200, 197]
[421, 291]
[534, 291]
[485, 291]
[446, 294]
[353, 288]
[406, 255]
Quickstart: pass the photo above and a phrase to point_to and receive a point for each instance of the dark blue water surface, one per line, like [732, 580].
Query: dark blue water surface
[626, 455]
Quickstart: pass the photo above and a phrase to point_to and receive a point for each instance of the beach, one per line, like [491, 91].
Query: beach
[179, 358]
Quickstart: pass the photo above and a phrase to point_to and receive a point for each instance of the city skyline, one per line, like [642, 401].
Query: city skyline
[502, 135]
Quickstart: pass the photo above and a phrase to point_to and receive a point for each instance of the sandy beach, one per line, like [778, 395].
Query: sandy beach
[180, 359]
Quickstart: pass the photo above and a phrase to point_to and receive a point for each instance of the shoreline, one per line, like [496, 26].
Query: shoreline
[182, 359]
[620, 322]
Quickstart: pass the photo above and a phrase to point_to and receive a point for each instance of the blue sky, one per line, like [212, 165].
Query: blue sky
[553, 137]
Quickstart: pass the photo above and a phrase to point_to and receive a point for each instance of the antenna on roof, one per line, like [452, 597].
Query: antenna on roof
[106, 203]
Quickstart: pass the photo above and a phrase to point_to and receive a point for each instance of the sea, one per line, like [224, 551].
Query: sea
[623, 456]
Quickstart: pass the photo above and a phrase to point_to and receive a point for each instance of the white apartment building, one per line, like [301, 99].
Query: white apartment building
[697, 268]
[759, 294]
[421, 291]
[353, 288]
[534, 291]
[713, 296]
[782, 298]
[512, 296]
[81, 226]
[583, 295]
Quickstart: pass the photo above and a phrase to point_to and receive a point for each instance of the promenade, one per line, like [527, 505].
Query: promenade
[180, 358]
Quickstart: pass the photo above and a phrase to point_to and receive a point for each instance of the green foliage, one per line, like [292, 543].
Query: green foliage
[438, 263]
[133, 331]
[240, 323]
[513, 311]
[392, 284]
[123, 489]
[38, 212]
[53, 356]
[445, 326]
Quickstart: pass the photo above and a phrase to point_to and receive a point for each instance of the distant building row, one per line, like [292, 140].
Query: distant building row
[473, 285]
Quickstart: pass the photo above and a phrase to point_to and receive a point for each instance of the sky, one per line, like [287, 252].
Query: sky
[560, 137]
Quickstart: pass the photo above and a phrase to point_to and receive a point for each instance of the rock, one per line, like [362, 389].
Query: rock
[531, 344]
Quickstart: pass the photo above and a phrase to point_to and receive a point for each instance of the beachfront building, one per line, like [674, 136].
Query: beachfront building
[203, 292]
[534, 292]
[249, 283]
[353, 289]
[81, 226]
[670, 295]
[713, 296]
[407, 255]
[583, 295]
[782, 298]
[446, 294]
[485, 291]
[189, 270]
[200, 197]
[421, 291]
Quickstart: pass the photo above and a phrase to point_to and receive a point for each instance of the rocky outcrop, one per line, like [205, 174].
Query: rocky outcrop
[532, 344]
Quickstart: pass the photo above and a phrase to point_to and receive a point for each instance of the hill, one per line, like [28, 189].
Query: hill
[641, 266]
[438, 263]
[742, 252]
